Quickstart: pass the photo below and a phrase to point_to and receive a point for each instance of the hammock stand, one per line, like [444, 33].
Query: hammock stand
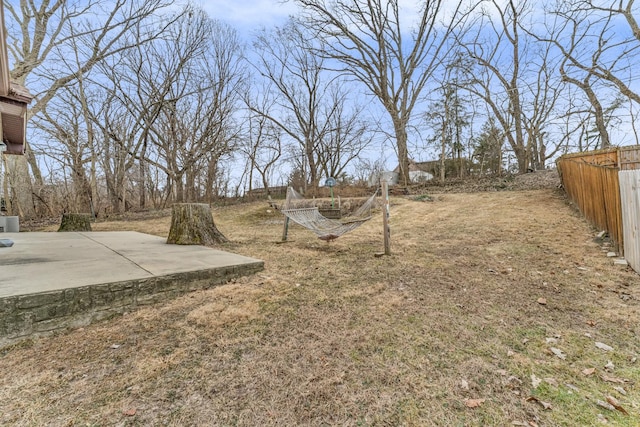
[325, 228]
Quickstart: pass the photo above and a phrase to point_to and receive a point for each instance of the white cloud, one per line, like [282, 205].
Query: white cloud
[249, 14]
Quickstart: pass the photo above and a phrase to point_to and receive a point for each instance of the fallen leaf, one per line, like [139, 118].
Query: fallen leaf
[614, 402]
[130, 412]
[542, 301]
[589, 371]
[605, 405]
[535, 381]
[620, 390]
[603, 346]
[545, 405]
[474, 403]
[609, 379]
[559, 353]
[571, 388]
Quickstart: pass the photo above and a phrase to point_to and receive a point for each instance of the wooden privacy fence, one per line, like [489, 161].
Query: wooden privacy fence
[629, 196]
[591, 180]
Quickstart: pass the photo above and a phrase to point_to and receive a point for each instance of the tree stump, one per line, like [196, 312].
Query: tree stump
[75, 222]
[192, 224]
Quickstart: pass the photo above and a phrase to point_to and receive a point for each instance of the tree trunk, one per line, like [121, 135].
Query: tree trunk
[443, 153]
[7, 208]
[19, 181]
[192, 224]
[179, 188]
[403, 152]
[75, 222]
[142, 184]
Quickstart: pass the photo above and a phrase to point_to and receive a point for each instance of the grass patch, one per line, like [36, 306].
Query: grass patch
[328, 334]
[422, 198]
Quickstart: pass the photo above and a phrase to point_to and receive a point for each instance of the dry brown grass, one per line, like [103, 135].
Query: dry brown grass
[330, 335]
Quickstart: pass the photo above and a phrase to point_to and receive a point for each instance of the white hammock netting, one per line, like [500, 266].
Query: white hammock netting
[325, 228]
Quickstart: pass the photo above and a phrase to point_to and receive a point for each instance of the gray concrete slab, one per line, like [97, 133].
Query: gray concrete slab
[41, 261]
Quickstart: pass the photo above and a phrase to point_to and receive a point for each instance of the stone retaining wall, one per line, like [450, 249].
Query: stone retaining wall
[24, 316]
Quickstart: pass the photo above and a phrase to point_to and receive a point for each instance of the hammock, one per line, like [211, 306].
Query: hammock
[325, 228]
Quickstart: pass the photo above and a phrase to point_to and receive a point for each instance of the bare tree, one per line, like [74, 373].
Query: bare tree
[40, 33]
[308, 104]
[347, 136]
[262, 142]
[597, 54]
[488, 151]
[118, 150]
[618, 42]
[448, 116]
[166, 105]
[368, 41]
[62, 123]
[201, 127]
[183, 90]
[515, 77]
[41, 36]
[441, 118]
[544, 90]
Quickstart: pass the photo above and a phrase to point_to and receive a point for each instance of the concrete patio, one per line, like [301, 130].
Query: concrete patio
[51, 281]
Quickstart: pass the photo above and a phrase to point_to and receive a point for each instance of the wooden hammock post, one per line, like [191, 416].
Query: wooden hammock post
[385, 217]
[285, 230]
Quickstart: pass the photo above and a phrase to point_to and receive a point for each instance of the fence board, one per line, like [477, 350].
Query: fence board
[603, 157]
[630, 199]
[629, 158]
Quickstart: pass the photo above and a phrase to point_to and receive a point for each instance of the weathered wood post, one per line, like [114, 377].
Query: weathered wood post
[285, 229]
[192, 224]
[385, 217]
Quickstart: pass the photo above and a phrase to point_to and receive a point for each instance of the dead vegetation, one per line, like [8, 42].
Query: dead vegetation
[492, 310]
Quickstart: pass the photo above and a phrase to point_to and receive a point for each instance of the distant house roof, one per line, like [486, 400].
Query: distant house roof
[13, 101]
[414, 166]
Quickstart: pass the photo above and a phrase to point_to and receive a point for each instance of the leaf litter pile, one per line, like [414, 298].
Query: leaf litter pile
[495, 308]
